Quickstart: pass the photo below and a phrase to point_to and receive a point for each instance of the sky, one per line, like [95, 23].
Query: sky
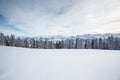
[59, 17]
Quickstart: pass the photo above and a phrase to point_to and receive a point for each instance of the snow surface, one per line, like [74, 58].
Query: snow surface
[58, 64]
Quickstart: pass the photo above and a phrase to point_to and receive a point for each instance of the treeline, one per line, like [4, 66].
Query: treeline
[111, 43]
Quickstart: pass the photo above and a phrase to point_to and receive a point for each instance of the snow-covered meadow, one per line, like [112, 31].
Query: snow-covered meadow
[58, 64]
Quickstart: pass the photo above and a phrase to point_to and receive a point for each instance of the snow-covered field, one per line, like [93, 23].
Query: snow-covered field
[59, 64]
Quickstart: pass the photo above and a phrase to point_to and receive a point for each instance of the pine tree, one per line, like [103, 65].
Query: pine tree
[2, 39]
[7, 40]
[12, 40]
[19, 42]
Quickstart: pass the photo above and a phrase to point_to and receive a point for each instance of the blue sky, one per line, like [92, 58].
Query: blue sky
[59, 17]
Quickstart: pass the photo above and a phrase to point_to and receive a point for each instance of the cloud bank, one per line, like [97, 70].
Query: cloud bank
[59, 17]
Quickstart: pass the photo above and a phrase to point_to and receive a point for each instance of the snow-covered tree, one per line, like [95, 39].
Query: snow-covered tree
[2, 39]
[111, 42]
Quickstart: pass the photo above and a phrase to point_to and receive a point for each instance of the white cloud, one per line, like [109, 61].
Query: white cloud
[65, 17]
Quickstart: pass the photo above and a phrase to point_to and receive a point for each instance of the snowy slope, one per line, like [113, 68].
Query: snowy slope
[65, 64]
